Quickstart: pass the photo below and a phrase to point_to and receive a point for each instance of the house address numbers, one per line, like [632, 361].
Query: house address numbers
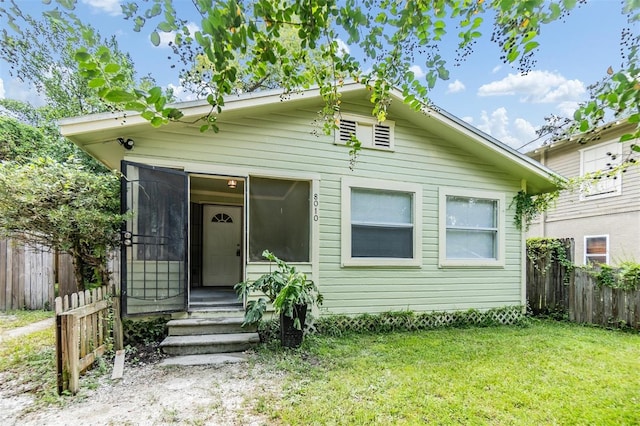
[316, 203]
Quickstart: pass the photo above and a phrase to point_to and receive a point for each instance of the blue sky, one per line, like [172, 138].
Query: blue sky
[483, 91]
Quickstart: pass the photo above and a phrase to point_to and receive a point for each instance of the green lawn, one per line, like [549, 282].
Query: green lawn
[14, 319]
[28, 362]
[546, 373]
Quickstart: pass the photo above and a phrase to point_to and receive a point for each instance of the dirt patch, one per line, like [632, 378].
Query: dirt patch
[150, 394]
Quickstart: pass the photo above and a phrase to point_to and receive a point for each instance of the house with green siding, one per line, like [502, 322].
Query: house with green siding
[423, 221]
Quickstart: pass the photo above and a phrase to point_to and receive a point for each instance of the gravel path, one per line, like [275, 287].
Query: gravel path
[154, 395]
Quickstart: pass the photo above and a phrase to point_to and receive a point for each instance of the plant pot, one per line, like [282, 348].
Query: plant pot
[291, 337]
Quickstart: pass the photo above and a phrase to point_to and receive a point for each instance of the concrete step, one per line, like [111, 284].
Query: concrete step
[208, 312]
[209, 343]
[204, 359]
[199, 326]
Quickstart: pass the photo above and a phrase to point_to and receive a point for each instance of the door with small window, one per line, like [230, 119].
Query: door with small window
[221, 246]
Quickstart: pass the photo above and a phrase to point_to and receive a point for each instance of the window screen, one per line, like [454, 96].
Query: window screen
[381, 224]
[279, 218]
[472, 228]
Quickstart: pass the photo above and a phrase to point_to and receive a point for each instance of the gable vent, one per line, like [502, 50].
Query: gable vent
[382, 136]
[347, 128]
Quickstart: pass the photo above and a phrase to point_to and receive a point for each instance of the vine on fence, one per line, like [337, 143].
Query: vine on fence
[626, 276]
[550, 249]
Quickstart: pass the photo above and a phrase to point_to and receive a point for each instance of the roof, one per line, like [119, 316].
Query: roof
[606, 132]
[90, 130]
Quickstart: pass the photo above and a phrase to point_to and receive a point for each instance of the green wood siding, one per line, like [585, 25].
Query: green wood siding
[282, 142]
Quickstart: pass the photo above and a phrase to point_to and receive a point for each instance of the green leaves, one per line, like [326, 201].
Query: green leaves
[155, 38]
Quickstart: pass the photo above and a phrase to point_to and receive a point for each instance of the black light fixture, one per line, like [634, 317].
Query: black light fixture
[127, 144]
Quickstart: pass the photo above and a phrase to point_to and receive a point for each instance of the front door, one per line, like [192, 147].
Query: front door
[221, 245]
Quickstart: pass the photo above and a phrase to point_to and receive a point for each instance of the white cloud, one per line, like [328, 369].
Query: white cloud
[468, 119]
[181, 94]
[112, 7]
[498, 125]
[496, 69]
[1, 89]
[343, 48]
[417, 71]
[19, 91]
[165, 38]
[567, 108]
[456, 87]
[536, 87]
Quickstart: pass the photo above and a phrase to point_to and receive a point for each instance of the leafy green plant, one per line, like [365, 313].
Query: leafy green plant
[284, 287]
[144, 332]
[528, 207]
[626, 276]
[547, 251]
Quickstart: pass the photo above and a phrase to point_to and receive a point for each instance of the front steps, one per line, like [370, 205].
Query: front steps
[203, 332]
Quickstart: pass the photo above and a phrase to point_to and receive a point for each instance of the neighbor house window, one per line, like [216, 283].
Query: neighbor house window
[279, 218]
[370, 132]
[597, 161]
[596, 250]
[471, 228]
[380, 223]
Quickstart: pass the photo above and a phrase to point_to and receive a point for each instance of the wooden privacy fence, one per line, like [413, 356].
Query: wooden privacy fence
[28, 276]
[84, 323]
[548, 280]
[551, 287]
[606, 306]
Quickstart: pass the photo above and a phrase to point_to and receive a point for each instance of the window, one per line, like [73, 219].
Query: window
[279, 218]
[381, 223]
[597, 160]
[596, 250]
[471, 225]
[369, 132]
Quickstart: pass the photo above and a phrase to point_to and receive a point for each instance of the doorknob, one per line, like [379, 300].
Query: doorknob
[238, 251]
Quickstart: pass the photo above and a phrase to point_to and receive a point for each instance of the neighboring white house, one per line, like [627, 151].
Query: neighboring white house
[603, 215]
[423, 222]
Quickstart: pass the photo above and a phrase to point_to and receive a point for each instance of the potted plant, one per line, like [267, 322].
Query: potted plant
[289, 291]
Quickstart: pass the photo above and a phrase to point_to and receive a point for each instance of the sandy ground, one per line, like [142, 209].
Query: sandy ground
[153, 395]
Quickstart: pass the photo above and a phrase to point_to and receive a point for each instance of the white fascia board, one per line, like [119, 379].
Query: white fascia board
[199, 108]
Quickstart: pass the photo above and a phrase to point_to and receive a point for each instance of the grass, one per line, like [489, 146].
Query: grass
[547, 373]
[14, 319]
[27, 364]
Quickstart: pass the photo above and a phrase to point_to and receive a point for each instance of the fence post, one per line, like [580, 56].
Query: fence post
[70, 352]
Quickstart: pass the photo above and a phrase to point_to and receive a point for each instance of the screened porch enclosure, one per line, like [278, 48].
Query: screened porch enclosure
[228, 228]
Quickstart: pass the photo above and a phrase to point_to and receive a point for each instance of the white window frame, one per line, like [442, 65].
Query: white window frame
[615, 148]
[365, 131]
[586, 237]
[372, 184]
[499, 262]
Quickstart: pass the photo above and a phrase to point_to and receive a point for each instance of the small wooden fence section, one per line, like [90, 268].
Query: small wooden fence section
[551, 288]
[28, 275]
[606, 306]
[83, 331]
[548, 281]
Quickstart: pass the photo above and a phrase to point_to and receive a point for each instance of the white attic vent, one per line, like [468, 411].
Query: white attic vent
[347, 128]
[370, 133]
[381, 136]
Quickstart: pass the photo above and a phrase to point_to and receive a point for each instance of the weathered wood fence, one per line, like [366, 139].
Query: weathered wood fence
[84, 324]
[31, 277]
[28, 276]
[552, 288]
